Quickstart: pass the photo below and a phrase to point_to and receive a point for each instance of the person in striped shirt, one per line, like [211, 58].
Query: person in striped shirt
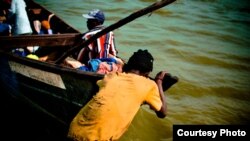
[104, 46]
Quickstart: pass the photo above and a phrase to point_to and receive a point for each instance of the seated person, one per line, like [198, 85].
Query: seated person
[41, 21]
[103, 47]
[18, 16]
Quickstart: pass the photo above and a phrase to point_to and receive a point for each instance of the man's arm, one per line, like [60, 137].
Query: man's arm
[163, 111]
[158, 79]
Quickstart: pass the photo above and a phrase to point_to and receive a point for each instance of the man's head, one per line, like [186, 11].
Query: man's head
[141, 60]
[94, 17]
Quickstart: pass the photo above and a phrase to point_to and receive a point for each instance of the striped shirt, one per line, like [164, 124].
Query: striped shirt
[101, 48]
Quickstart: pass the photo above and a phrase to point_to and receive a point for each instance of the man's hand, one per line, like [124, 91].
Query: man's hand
[160, 75]
[167, 79]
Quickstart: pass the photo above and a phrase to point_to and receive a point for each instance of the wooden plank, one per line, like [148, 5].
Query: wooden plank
[55, 40]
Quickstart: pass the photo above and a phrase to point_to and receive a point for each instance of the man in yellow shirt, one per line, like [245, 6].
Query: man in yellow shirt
[110, 112]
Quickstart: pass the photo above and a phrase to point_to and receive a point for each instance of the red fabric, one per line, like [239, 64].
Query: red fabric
[103, 47]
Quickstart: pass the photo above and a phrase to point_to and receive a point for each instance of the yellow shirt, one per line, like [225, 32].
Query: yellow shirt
[109, 113]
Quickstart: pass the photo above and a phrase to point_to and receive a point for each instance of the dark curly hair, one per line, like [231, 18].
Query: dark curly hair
[141, 60]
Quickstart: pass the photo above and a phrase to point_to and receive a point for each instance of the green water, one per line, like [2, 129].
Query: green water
[203, 42]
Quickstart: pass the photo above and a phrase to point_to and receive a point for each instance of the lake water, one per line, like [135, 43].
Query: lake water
[203, 42]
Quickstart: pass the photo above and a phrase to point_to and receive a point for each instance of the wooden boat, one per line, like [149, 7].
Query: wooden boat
[45, 91]
[39, 99]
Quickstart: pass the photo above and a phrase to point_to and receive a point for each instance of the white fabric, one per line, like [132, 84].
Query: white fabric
[22, 24]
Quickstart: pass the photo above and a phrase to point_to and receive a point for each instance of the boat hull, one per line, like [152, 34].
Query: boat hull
[42, 96]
